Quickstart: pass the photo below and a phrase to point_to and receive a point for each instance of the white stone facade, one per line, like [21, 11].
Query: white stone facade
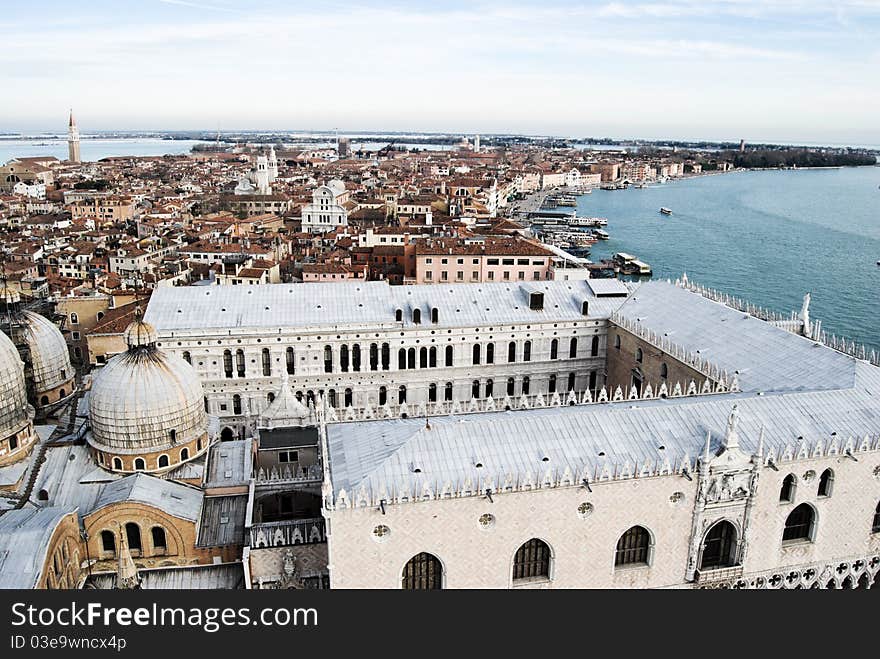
[843, 551]
[327, 210]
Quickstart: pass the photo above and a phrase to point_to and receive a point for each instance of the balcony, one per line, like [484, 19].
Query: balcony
[289, 475]
[718, 575]
[288, 533]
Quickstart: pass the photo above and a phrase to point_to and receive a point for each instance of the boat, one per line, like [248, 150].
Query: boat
[600, 234]
[630, 265]
[665, 210]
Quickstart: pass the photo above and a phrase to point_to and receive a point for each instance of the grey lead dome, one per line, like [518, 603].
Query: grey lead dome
[144, 394]
[14, 410]
[49, 358]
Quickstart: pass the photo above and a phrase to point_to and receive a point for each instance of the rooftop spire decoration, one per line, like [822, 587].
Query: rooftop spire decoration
[127, 577]
[731, 437]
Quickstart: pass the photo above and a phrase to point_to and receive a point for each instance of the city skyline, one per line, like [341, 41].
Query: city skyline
[660, 70]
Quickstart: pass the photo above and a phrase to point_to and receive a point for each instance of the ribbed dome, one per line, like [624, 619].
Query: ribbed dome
[142, 395]
[14, 410]
[48, 356]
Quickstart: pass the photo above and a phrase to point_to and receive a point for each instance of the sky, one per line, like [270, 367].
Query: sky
[802, 71]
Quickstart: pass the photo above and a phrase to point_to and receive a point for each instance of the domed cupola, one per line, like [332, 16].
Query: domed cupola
[16, 416]
[146, 408]
[48, 371]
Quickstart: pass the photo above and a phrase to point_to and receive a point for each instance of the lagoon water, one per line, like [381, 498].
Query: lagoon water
[92, 149]
[766, 236]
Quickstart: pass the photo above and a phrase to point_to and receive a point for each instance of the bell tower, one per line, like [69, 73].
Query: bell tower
[73, 140]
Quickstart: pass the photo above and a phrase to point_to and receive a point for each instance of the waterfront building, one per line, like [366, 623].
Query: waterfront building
[371, 348]
[743, 454]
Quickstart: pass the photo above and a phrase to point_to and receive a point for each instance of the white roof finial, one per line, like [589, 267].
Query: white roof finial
[731, 437]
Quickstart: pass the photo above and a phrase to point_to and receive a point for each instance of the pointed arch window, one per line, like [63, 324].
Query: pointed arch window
[447, 391]
[432, 357]
[594, 347]
[800, 524]
[343, 358]
[490, 388]
[374, 357]
[386, 357]
[432, 393]
[511, 352]
[476, 354]
[328, 359]
[532, 560]
[826, 483]
[356, 357]
[411, 358]
[719, 547]
[490, 353]
[450, 355]
[422, 572]
[267, 362]
[423, 357]
[349, 397]
[554, 349]
[633, 547]
[401, 359]
[383, 395]
[401, 394]
[291, 362]
[239, 362]
[525, 385]
[573, 348]
[788, 489]
[527, 351]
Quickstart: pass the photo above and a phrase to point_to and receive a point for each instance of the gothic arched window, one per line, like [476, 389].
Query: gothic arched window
[789, 486]
[800, 524]
[633, 547]
[422, 572]
[554, 349]
[719, 546]
[826, 480]
[532, 560]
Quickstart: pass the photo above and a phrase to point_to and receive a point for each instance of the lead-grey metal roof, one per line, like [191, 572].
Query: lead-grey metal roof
[222, 521]
[765, 357]
[24, 541]
[227, 576]
[173, 498]
[230, 463]
[186, 308]
[383, 456]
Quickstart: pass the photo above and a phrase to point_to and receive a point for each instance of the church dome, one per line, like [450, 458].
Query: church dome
[146, 402]
[14, 409]
[48, 360]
